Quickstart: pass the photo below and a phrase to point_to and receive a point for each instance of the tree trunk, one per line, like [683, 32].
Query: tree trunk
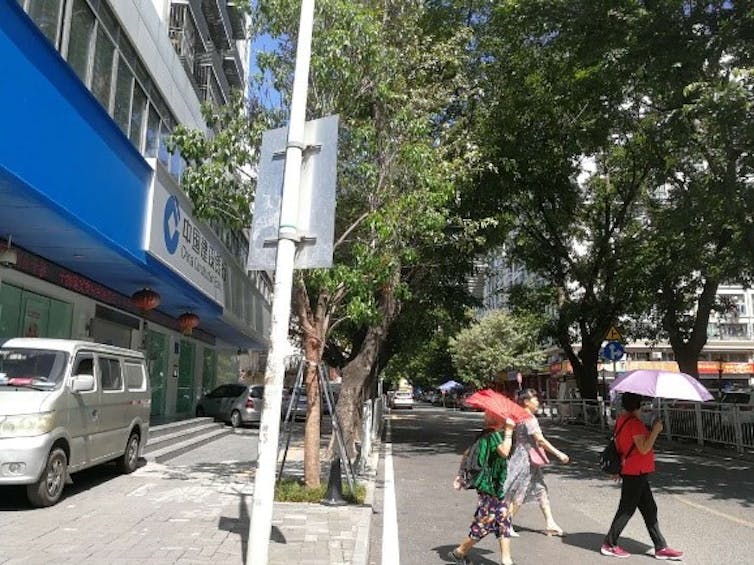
[587, 376]
[688, 360]
[687, 349]
[356, 374]
[312, 431]
[314, 325]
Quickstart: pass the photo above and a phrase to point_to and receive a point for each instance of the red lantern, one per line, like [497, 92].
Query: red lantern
[146, 299]
[187, 322]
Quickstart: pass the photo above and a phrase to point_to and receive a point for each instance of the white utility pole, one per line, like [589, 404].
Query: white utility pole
[260, 526]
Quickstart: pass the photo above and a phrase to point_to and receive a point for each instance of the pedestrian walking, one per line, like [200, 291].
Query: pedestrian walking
[526, 481]
[491, 515]
[635, 445]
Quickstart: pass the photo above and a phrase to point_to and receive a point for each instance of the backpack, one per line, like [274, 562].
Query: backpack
[471, 468]
[610, 460]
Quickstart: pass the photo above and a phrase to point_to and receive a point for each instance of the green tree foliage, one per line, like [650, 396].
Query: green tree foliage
[617, 136]
[566, 162]
[699, 111]
[219, 177]
[395, 75]
[498, 342]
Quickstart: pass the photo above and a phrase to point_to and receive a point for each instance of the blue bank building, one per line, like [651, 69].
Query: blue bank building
[97, 238]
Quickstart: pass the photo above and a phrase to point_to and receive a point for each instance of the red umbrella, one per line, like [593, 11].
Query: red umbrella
[499, 405]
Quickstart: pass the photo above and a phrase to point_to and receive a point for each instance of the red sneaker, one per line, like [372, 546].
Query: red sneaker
[668, 553]
[615, 551]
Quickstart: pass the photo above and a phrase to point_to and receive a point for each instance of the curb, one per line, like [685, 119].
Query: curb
[361, 545]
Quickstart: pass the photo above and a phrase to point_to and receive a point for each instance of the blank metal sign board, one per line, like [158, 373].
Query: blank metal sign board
[316, 216]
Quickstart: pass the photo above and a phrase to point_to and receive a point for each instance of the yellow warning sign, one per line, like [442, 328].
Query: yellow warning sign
[613, 334]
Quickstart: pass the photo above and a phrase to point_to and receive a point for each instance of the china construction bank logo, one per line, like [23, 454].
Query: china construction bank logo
[171, 224]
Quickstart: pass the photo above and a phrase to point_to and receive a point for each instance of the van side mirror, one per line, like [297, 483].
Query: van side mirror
[82, 383]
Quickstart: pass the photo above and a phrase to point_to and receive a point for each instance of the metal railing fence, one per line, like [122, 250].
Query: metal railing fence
[727, 425]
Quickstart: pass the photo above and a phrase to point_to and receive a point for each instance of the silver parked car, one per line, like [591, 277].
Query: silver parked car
[234, 403]
[67, 405]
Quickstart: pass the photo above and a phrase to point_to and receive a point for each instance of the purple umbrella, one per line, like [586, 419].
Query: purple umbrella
[661, 384]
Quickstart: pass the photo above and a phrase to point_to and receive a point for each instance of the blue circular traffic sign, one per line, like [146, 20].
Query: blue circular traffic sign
[613, 351]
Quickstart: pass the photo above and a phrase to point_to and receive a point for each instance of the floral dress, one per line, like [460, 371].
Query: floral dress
[525, 482]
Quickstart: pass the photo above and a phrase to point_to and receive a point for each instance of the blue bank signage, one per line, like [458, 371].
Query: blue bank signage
[180, 242]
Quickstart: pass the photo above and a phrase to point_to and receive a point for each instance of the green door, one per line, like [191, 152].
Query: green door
[184, 403]
[10, 310]
[157, 363]
[27, 314]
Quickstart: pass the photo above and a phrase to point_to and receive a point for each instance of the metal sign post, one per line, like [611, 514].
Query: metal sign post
[260, 525]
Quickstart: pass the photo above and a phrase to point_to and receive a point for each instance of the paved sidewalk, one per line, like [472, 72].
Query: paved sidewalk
[177, 514]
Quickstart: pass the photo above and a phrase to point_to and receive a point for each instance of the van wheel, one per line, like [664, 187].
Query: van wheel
[235, 418]
[47, 490]
[128, 462]
[199, 412]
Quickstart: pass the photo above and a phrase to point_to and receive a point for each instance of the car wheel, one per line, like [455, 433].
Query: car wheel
[47, 490]
[199, 412]
[128, 462]
[235, 418]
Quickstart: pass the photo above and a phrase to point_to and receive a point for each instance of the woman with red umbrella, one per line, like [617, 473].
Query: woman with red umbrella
[491, 515]
[526, 481]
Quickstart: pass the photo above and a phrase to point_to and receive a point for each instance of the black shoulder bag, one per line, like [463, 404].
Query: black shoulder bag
[610, 460]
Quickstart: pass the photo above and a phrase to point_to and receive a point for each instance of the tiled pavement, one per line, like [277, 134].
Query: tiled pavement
[176, 514]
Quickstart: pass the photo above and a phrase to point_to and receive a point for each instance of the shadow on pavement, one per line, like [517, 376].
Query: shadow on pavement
[678, 472]
[477, 555]
[591, 541]
[13, 498]
[240, 470]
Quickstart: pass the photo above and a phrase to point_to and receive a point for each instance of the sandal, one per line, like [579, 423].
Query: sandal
[557, 531]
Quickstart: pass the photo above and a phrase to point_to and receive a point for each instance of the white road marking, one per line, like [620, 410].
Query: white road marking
[717, 513]
[390, 552]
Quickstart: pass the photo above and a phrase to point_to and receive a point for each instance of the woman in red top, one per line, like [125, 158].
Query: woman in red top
[635, 444]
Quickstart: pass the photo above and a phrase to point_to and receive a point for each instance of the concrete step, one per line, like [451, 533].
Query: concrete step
[171, 450]
[156, 431]
[171, 436]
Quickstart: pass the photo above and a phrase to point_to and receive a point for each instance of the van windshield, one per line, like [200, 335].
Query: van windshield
[39, 369]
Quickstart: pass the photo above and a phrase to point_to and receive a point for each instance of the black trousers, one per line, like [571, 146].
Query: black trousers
[636, 493]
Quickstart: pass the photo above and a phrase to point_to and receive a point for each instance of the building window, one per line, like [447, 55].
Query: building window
[738, 302]
[102, 70]
[733, 331]
[100, 53]
[183, 34]
[47, 14]
[138, 111]
[80, 39]
[122, 102]
[152, 141]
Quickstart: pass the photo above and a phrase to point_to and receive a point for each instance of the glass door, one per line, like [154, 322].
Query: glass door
[184, 403]
[209, 370]
[157, 365]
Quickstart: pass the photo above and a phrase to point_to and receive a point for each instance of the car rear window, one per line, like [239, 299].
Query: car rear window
[257, 392]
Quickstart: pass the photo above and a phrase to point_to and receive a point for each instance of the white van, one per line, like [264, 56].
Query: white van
[65, 406]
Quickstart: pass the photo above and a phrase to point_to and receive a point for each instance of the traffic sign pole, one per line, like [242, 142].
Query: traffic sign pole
[260, 525]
